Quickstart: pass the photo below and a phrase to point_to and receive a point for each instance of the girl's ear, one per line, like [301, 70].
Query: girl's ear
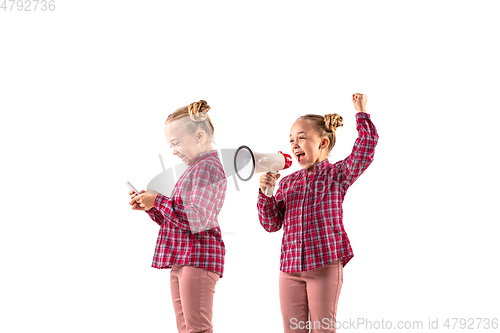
[324, 144]
[200, 136]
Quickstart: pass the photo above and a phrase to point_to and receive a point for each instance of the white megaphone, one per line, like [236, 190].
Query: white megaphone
[246, 163]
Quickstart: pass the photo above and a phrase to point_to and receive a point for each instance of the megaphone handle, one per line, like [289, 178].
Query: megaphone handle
[270, 190]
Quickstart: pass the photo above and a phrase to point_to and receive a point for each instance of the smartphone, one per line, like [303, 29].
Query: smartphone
[131, 187]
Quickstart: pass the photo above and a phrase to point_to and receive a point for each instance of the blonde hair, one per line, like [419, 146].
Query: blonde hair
[325, 126]
[198, 118]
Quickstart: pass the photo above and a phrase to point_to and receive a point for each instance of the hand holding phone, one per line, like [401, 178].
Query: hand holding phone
[135, 204]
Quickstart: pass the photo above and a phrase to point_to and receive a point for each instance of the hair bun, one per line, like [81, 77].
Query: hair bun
[198, 110]
[332, 122]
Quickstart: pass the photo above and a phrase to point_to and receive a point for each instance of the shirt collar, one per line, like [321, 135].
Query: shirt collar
[319, 166]
[205, 155]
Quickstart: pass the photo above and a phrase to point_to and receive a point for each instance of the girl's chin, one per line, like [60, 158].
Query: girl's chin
[305, 165]
[185, 160]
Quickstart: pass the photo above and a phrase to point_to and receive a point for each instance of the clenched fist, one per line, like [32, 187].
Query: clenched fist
[359, 102]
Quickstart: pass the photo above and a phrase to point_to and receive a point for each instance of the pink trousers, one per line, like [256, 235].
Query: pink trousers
[309, 299]
[193, 291]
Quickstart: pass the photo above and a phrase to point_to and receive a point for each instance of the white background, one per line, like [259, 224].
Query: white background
[84, 94]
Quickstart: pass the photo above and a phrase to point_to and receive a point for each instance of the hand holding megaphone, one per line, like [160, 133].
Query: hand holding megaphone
[267, 182]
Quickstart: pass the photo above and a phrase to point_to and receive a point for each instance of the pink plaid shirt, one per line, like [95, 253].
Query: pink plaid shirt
[309, 207]
[189, 232]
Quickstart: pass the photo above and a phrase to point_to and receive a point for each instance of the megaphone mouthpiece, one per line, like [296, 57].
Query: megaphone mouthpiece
[288, 160]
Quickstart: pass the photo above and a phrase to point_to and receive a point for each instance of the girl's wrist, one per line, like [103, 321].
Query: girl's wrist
[154, 199]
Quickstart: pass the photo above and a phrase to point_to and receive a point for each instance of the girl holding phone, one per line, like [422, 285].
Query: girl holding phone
[189, 240]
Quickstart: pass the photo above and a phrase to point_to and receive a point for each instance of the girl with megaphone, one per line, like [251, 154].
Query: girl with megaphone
[315, 246]
[189, 241]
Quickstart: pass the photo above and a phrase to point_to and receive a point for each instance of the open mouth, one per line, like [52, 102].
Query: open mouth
[299, 156]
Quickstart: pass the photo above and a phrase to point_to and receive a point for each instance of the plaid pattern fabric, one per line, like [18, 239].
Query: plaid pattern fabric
[309, 207]
[189, 232]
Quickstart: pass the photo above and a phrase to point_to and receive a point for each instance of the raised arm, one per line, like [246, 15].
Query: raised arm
[363, 152]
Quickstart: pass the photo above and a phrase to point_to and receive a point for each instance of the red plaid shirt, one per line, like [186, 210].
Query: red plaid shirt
[189, 232]
[309, 207]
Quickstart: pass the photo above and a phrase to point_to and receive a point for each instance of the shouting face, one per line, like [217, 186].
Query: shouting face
[306, 145]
